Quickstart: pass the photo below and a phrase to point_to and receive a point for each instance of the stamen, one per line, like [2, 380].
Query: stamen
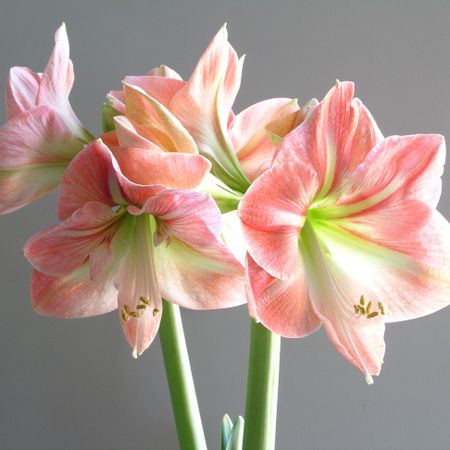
[366, 310]
[155, 312]
[125, 315]
[144, 300]
[141, 306]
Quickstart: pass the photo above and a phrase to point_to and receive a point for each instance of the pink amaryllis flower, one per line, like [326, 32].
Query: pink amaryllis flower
[126, 245]
[239, 147]
[43, 133]
[343, 231]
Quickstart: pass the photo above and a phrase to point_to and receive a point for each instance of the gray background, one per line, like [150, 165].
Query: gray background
[73, 384]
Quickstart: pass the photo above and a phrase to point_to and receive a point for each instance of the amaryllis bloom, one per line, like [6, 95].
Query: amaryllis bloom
[343, 231]
[42, 134]
[163, 108]
[127, 245]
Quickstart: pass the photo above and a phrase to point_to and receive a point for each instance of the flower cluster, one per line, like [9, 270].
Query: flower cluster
[307, 213]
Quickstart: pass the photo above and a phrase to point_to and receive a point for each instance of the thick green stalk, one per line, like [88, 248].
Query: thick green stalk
[262, 389]
[181, 384]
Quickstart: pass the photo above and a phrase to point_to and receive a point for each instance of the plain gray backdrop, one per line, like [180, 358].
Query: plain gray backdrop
[73, 384]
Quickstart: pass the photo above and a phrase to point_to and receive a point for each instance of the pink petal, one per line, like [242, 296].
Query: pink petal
[35, 148]
[280, 127]
[192, 217]
[164, 71]
[128, 135]
[398, 166]
[57, 79]
[335, 138]
[156, 122]
[173, 170]
[21, 90]
[203, 105]
[338, 276]
[253, 147]
[90, 177]
[273, 211]
[282, 306]
[413, 262]
[95, 175]
[61, 249]
[117, 100]
[199, 277]
[72, 296]
[140, 303]
[161, 88]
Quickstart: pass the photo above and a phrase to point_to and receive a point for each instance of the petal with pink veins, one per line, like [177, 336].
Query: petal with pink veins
[199, 277]
[173, 170]
[204, 104]
[284, 307]
[35, 148]
[190, 216]
[62, 248]
[140, 302]
[156, 123]
[21, 90]
[273, 212]
[399, 166]
[335, 138]
[164, 71]
[253, 147]
[161, 88]
[128, 135]
[72, 296]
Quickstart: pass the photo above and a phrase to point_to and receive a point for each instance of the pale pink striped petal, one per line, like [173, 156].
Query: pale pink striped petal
[21, 90]
[58, 77]
[73, 296]
[128, 136]
[192, 217]
[62, 248]
[397, 167]
[140, 303]
[35, 148]
[273, 212]
[335, 138]
[156, 122]
[173, 170]
[284, 307]
[161, 88]
[90, 177]
[199, 277]
[164, 71]
[251, 141]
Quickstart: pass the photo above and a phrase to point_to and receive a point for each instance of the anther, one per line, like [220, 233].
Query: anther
[372, 315]
[155, 312]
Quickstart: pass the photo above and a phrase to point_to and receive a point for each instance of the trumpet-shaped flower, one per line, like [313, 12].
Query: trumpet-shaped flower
[42, 134]
[196, 115]
[127, 245]
[343, 231]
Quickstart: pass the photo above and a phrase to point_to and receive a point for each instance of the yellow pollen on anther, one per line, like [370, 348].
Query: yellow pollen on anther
[144, 300]
[367, 310]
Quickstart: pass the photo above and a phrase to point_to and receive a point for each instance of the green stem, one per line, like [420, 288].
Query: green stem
[181, 384]
[262, 389]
